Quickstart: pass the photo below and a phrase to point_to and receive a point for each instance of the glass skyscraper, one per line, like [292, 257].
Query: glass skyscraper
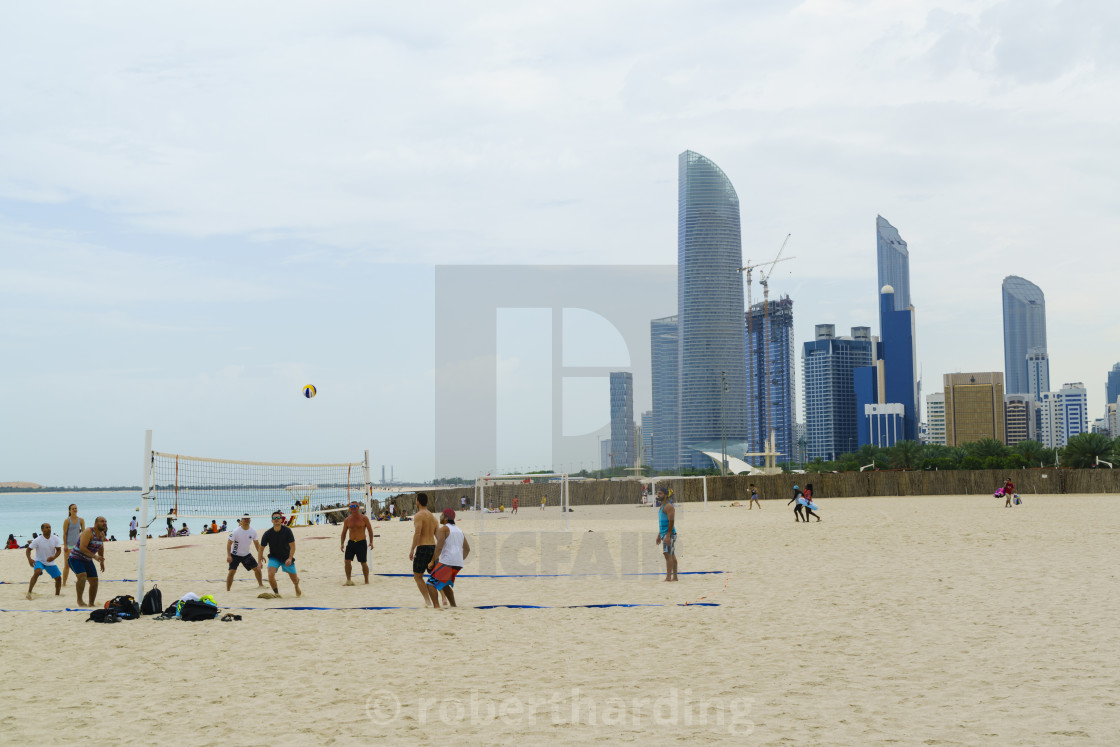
[770, 351]
[710, 311]
[664, 354]
[829, 363]
[623, 446]
[894, 262]
[1112, 388]
[1024, 328]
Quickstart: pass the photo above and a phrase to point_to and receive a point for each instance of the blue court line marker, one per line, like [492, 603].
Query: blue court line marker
[378, 609]
[400, 575]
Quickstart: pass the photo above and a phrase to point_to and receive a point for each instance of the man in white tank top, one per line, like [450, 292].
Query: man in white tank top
[451, 552]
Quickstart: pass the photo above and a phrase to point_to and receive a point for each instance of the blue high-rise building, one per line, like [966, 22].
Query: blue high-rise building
[1112, 387]
[664, 355]
[647, 438]
[892, 378]
[894, 262]
[712, 364]
[829, 364]
[623, 447]
[771, 389]
[1024, 329]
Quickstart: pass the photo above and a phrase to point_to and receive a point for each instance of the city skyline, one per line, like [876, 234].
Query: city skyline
[186, 239]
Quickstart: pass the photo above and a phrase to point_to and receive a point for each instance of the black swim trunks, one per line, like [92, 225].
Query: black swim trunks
[356, 550]
[246, 560]
[422, 557]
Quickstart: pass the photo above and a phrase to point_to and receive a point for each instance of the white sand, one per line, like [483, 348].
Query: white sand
[939, 620]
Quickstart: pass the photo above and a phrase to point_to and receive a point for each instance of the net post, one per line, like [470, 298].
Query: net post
[368, 486]
[564, 500]
[145, 496]
[705, 479]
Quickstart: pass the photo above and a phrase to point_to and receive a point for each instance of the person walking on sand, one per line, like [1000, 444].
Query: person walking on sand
[133, 528]
[281, 544]
[754, 499]
[452, 550]
[667, 532]
[239, 551]
[423, 544]
[47, 548]
[357, 525]
[799, 507]
[1008, 492]
[90, 547]
[807, 496]
[72, 528]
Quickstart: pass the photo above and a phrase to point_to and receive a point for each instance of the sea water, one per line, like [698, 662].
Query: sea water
[23, 513]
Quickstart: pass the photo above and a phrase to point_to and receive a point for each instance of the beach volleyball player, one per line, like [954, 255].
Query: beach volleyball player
[667, 532]
[451, 550]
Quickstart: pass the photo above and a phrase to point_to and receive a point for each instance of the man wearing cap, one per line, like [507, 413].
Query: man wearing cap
[452, 550]
[357, 525]
[238, 551]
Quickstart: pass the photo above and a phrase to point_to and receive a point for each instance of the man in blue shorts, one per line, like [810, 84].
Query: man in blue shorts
[281, 544]
[47, 548]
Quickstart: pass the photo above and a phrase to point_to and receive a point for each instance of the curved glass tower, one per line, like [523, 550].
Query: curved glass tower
[894, 262]
[1024, 328]
[712, 361]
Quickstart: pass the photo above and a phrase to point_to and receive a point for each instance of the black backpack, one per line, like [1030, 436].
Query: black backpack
[153, 602]
[124, 606]
[196, 610]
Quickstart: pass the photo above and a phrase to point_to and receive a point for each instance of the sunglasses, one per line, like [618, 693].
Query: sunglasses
[277, 518]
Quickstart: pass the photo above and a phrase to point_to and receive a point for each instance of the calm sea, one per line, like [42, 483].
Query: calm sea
[23, 513]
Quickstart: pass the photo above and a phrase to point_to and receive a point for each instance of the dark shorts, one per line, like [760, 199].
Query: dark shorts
[356, 550]
[87, 567]
[246, 560]
[422, 557]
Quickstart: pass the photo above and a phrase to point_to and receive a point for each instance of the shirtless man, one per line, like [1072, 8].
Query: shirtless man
[358, 526]
[423, 544]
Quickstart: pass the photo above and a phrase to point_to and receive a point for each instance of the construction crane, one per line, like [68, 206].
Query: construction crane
[765, 282]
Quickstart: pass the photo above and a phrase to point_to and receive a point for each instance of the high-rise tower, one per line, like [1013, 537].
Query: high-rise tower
[771, 403]
[894, 262]
[623, 448]
[1024, 330]
[712, 366]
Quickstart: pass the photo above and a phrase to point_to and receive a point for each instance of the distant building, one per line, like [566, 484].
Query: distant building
[624, 452]
[647, 438]
[974, 407]
[1020, 418]
[605, 454]
[1024, 330]
[801, 442]
[664, 354]
[1112, 386]
[891, 379]
[713, 380]
[935, 418]
[1113, 418]
[1038, 372]
[884, 424]
[771, 391]
[828, 364]
[1063, 415]
[893, 261]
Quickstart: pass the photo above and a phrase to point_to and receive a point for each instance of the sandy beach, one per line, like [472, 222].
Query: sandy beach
[936, 620]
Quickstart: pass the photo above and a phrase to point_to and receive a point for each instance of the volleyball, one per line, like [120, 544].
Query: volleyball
[309, 391]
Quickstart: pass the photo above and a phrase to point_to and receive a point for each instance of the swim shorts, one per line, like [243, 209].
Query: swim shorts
[356, 549]
[422, 557]
[443, 576]
[245, 560]
[87, 567]
[669, 544]
[274, 563]
[50, 568]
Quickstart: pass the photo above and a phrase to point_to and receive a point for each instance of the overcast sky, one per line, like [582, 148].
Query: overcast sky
[205, 206]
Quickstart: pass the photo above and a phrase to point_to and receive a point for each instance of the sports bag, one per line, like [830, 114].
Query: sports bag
[192, 610]
[124, 607]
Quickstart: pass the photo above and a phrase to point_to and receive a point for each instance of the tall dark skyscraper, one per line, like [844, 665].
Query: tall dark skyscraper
[623, 446]
[1024, 330]
[894, 262]
[770, 353]
[664, 355]
[710, 311]
[1112, 388]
